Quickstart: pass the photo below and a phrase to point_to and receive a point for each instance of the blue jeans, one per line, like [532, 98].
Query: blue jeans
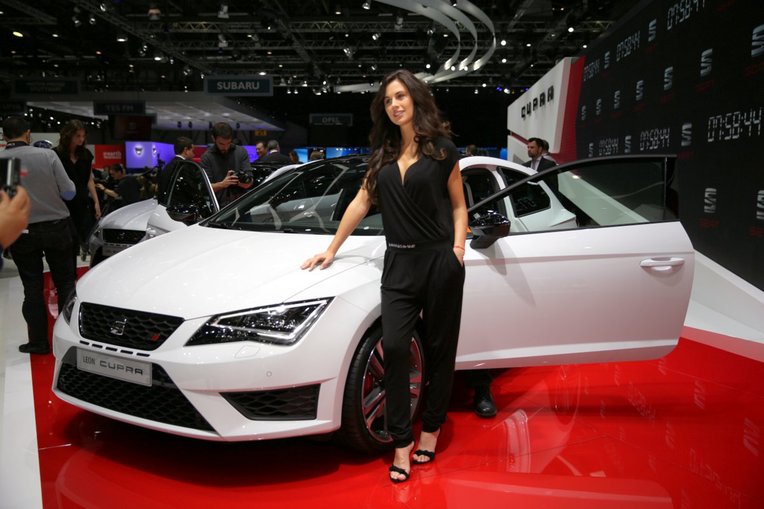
[53, 240]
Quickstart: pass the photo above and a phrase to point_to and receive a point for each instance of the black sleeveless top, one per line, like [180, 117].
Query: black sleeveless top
[418, 209]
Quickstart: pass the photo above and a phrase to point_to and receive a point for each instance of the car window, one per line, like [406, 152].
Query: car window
[593, 193]
[190, 188]
[479, 184]
[525, 199]
[310, 199]
[612, 193]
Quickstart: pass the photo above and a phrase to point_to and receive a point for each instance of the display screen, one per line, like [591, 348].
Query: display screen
[146, 154]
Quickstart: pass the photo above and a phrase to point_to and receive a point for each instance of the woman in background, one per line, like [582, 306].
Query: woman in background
[84, 208]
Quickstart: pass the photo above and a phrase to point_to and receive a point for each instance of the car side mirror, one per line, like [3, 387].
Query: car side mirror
[184, 213]
[488, 228]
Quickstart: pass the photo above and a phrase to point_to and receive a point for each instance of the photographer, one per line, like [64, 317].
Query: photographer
[227, 165]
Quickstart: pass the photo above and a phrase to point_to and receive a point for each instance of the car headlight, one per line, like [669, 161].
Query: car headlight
[282, 324]
[69, 307]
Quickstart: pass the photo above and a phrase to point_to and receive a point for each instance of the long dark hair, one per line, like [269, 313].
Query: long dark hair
[385, 137]
[65, 138]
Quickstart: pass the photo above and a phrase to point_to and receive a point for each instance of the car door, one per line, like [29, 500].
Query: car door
[615, 285]
[190, 195]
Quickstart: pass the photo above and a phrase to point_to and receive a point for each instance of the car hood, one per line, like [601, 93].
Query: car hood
[200, 271]
[130, 217]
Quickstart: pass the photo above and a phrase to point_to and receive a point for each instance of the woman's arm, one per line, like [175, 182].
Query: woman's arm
[459, 211]
[94, 195]
[353, 215]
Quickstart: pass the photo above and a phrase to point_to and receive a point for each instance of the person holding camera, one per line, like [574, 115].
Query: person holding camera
[48, 234]
[227, 165]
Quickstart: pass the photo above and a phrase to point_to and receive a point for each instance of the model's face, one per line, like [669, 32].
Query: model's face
[399, 105]
[533, 150]
[223, 144]
[78, 138]
[260, 148]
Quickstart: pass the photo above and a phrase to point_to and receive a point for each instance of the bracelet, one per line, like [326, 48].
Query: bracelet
[458, 247]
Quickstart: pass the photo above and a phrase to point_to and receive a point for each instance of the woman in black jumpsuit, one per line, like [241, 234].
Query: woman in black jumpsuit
[414, 177]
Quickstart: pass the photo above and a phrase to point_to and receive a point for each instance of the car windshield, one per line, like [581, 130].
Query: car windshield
[309, 199]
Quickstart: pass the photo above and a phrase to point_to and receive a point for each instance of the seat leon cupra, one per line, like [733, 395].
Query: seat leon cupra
[213, 331]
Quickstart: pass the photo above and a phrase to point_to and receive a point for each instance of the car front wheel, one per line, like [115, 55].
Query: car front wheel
[364, 426]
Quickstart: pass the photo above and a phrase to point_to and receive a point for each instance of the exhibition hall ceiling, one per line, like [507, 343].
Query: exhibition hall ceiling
[326, 46]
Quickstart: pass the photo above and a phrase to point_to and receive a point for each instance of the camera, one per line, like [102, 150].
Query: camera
[10, 174]
[244, 176]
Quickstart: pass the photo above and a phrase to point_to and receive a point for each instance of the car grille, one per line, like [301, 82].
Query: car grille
[123, 327]
[116, 236]
[162, 402]
[300, 403]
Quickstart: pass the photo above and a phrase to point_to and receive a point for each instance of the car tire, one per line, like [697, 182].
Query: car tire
[364, 426]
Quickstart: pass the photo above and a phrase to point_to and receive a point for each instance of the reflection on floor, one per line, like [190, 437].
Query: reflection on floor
[684, 431]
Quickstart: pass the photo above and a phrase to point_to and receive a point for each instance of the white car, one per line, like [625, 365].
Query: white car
[214, 332]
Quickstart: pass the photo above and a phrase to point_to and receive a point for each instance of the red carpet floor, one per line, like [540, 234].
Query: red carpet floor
[684, 431]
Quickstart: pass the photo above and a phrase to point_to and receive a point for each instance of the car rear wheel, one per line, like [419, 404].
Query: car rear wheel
[364, 426]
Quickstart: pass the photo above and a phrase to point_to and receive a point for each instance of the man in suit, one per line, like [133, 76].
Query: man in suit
[184, 151]
[274, 155]
[536, 153]
[537, 148]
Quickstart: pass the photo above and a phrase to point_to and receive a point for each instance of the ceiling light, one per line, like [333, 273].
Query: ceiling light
[92, 20]
[18, 34]
[503, 42]
[223, 10]
[376, 35]
[398, 22]
[338, 10]
[366, 5]
[222, 41]
[76, 21]
[103, 6]
[122, 38]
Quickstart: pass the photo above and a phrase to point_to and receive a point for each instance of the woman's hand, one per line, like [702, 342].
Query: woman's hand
[323, 260]
[459, 253]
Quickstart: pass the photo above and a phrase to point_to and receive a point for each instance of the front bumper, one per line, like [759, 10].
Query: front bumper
[223, 392]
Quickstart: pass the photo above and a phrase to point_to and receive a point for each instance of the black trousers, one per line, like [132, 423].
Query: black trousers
[429, 281]
[53, 240]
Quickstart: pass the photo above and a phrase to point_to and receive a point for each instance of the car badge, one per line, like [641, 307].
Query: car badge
[118, 327]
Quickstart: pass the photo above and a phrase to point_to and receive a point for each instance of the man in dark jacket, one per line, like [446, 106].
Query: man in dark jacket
[274, 155]
[223, 162]
[184, 151]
